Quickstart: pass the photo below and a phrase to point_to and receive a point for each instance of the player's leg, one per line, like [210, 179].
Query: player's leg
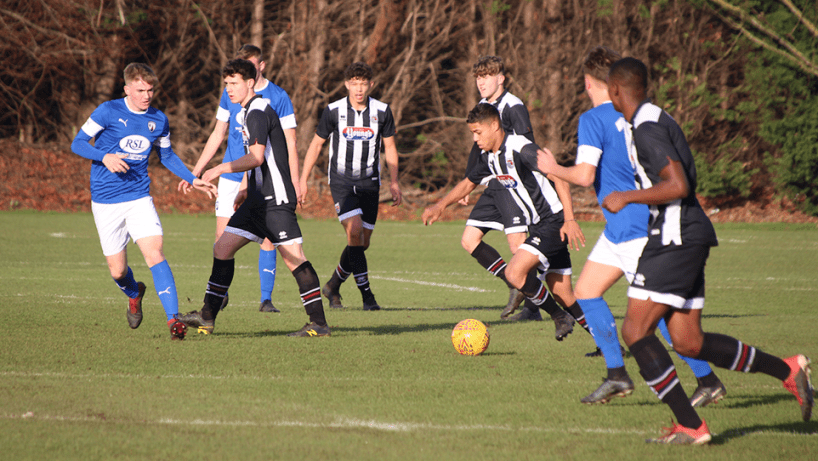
[309, 288]
[730, 353]
[522, 274]
[225, 208]
[113, 238]
[267, 275]
[709, 387]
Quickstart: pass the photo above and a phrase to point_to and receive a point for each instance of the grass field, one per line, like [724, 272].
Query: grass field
[77, 383]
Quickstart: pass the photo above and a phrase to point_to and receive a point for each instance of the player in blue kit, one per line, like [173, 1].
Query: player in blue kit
[669, 280]
[229, 125]
[124, 133]
[602, 161]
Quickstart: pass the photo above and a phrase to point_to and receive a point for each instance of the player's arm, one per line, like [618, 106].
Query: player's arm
[570, 230]
[309, 162]
[673, 186]
[582, 174]
[82, 147]
[256, 124]
[292, 154]
[432, 213]
[391, 154]
[172, 162]
[208, 152]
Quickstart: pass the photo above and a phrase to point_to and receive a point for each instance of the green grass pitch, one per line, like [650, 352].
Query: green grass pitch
[77, 383]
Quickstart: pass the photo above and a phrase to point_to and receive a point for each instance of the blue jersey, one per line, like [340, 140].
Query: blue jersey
[602, 144]
[116, 129]
[276, 97]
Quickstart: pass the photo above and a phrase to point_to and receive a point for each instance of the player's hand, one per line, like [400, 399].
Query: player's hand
[431, 214]
[211, 174]
[302, 192]
[464, 201]
[546, 162]
[241, 196]
[210, 189]
[397, 197]
[183, 187]
[115, 163]
[614, 202]
[572, 234]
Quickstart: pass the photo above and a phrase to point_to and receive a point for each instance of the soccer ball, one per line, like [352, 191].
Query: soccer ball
[470, 337]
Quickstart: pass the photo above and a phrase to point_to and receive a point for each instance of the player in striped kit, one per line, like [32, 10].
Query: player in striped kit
[669, 280]
[512, 160]
[266, 207]
[124, 133]
[228, 125]
[356, 127]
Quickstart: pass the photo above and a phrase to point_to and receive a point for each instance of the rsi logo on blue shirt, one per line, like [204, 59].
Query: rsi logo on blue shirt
[507, 181]
[355, 133]
[134, 144]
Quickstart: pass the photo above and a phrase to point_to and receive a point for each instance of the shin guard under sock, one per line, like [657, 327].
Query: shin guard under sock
[308, 287]
[602, 327]
[656, 366]
[726, 352]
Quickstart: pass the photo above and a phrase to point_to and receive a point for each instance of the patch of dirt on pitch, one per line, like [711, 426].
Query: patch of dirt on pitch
[50, 177]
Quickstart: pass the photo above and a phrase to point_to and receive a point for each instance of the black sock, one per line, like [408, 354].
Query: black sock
[618, 373]
[534, 290]
[357, 260]
[342, 271]
[656, 366]
[221, 276]
[709, 380]
[309, 288]
[578, 315]
[490, 259]
[726, 352]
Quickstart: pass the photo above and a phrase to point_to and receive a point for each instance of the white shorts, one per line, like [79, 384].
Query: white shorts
[228, 189]
[624, 255]
[117, 222]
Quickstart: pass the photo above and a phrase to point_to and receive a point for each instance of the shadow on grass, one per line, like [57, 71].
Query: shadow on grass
[794, 428]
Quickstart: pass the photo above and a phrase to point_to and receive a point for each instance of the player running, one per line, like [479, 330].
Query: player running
[124, 133]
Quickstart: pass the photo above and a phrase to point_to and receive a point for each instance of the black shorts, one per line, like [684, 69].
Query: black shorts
[264, 219]
[352, 200]
[671, 275]
[496, 209]
[544, 241]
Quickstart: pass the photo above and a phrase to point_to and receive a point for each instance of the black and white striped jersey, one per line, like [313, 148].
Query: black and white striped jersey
[271, 180]
[514, 166]
[356, 140]
[656, 137]
[515, 120]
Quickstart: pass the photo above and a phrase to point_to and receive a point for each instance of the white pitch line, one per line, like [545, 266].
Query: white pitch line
[432, 284]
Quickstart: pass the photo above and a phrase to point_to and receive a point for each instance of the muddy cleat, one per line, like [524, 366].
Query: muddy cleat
[193, 319]
[798, 383]
[609, 389]
[371, 305]
[177, 330]
[311, 329]
[135, 307]
[526, 314]
[267, 306]
[334, 296]
[704, 395]
[514, 300]
[563, 323]
[680, 435]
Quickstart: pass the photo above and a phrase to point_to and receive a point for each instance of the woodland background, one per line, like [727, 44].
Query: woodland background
[740, 76]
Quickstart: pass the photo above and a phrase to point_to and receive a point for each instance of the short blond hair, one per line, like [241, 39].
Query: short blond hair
[139, 71]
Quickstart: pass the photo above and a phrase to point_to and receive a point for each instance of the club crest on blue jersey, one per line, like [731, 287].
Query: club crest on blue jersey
[356, 133]
[134, 144]
[507, 181]
[151, 126]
